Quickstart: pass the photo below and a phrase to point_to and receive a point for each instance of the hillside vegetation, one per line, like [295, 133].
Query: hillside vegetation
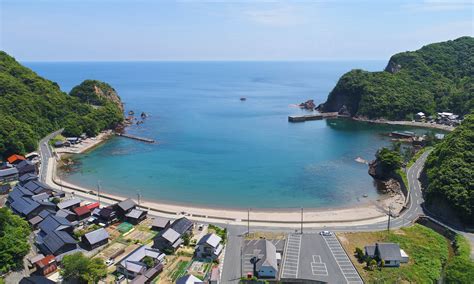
[31, 107]
[450, 171]
[438, 77]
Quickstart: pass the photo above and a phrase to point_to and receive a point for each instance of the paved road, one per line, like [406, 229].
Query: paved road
[46, 153]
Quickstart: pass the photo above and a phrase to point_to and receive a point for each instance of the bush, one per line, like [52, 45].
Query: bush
[14, 232]
[78, 268]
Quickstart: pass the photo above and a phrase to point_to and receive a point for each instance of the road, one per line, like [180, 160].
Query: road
[46, 153]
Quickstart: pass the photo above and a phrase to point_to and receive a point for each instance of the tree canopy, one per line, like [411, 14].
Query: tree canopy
[438, 77]
[77, 267]
[31, 107]
[389, 160]
[14, 232]
[450, 170]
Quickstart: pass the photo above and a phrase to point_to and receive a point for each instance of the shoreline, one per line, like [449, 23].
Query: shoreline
[85, 145]
[406, 123]
[284, 217]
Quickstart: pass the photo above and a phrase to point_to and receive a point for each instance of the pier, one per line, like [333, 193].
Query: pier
[303, 118]
[147, 140]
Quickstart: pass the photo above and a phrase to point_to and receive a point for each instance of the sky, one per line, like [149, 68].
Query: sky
[108, 30]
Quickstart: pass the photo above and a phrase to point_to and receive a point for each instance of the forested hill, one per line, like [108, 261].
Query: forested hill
[31, 107]
[438, 77]
[450, 172]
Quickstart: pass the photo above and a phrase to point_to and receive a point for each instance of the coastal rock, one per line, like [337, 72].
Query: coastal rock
[393, 67]
[96, 93]
[309, 105]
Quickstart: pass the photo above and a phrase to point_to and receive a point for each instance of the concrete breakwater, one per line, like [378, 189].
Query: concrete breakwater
[143, 139]
[318, 116]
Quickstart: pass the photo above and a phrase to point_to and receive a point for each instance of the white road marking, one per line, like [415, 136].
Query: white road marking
[342, 258]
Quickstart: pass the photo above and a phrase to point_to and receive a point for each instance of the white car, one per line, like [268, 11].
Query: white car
[325, 233]
[109, 262]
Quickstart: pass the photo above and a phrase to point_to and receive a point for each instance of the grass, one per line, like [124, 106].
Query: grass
[428, 252]
[180, 270]
[404, 177]
[57, 138]
[460, 268]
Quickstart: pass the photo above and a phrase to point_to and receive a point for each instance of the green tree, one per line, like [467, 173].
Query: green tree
[77, 267]
[390, 160]
[14, 232]
[149, 262]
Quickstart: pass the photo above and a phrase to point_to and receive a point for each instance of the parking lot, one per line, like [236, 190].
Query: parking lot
[317, 258]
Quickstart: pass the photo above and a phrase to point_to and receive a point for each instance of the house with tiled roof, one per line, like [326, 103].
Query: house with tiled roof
[13, 159]
[55, 236]
[171, 238]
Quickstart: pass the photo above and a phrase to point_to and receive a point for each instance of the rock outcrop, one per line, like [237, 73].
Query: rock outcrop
[96, 93]
[309, 105]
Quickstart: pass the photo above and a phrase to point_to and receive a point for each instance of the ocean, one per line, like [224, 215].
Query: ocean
[214, 149]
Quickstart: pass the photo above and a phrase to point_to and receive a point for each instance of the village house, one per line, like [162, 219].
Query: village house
[25, 167]
[36, 280]
[160, 223]
[14, 159]
[135, 216]
[133, 264]
[105, 216]
[82, 212]
[95, 239]
[8, 175]
[209, 246]
[266, 266]
[37, 187]
[69, 204]
[21, 201]
[172, 237]
[55, 236]
[390, 253]
[125, 207]
[67, 214]
[46, 265]
[23, 179]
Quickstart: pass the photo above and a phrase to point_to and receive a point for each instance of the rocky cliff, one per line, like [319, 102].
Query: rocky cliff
[96, 93]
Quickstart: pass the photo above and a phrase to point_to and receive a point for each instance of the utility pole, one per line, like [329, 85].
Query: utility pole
[389, 215]
[248, 221]
[301, 220]
[138, 197]
[98, 192]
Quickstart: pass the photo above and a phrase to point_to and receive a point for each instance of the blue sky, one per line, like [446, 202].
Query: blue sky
[107, 30]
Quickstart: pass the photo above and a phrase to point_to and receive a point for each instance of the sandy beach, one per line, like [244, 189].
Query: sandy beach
[363, 214]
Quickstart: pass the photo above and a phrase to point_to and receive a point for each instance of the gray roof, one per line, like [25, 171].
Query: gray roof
[170, 235]
[41, 196]
[132, 262]
[96, 236]
[69, 203]
[35, 220]
[8, 172]
[188, 279]
[182, 225]
[269, 256]
[127, 204]
[64, 213]
[211, 239]
[161, 222]
[135, 213]
[388, 251]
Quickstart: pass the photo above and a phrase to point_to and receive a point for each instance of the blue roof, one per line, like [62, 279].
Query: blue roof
[69, 203]
[8, 172]
[54, 223]
[27, 177]
[36, 186]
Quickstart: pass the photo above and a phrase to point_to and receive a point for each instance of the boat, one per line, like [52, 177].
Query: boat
[243, 98]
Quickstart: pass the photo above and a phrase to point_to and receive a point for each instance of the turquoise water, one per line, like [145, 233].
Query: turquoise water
[216, 150]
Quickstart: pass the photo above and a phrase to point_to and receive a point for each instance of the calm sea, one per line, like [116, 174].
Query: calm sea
[214, 149]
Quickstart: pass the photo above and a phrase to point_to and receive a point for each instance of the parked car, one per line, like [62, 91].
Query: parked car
[109, 262]
[325, 233]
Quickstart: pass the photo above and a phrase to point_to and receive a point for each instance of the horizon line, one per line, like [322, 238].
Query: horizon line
[201, 60]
